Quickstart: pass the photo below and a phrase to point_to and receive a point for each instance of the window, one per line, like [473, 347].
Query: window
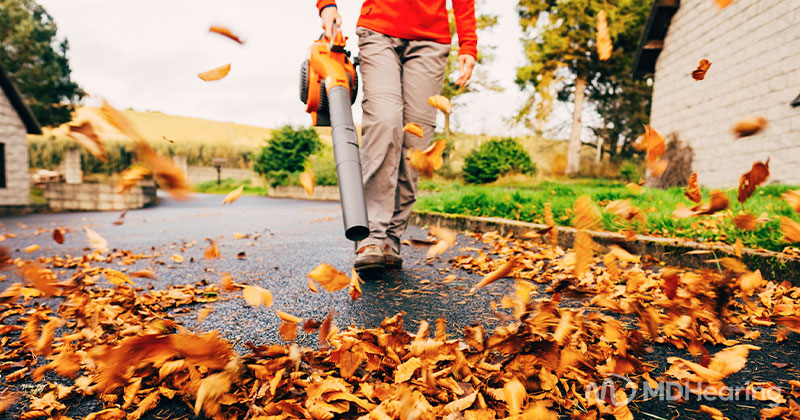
[2, 165]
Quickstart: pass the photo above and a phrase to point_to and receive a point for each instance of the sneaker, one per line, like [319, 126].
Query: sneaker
[369, 257]
[392, 258]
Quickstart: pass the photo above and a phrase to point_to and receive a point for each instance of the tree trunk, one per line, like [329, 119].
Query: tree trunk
[446, 125]
[574, 147]
[599, 156]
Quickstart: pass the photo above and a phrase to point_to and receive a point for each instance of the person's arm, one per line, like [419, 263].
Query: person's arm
[329, 14]
[464, 11]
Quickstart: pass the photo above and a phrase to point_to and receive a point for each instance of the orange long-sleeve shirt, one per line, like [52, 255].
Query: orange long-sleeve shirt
[419, 19]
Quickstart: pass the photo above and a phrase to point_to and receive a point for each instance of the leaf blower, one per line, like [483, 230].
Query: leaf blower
[328, 87]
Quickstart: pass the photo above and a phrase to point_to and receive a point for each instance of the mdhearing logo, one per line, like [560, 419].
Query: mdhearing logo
[676, 391]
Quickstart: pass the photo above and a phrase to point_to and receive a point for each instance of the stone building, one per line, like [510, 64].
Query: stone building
[754, 50]
[16, 121]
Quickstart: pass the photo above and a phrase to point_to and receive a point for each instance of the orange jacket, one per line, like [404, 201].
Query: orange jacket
[419, 19]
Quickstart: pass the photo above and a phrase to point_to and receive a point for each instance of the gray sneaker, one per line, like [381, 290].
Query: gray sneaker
[392, 258]
[369, 257]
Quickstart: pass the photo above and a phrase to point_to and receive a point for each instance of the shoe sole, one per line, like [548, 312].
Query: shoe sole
[394, 264]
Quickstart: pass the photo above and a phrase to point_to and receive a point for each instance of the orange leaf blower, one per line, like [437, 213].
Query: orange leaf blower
[328, 87]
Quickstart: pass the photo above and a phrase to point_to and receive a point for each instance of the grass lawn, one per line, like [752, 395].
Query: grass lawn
[526, 203]
[227, 185]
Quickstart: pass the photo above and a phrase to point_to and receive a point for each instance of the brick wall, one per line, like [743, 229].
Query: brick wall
[754, 48]
[13, 135]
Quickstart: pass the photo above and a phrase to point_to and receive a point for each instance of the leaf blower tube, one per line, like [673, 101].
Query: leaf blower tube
[328, 87]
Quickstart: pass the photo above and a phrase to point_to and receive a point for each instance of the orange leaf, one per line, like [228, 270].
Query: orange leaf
[441, 103]
[85, 135]
[129, 177]
[746, 221]
[514, 395]
[257, 296]
[7, 399]
[212, 251]
[226, 282]
[307, 181]
[584, 252]
[721, 4]
[749, 126]
[551, 221]
[215, 74]
[793, 198]
[287, 317]
[414, 129]
[117, 278]
[498, 274]
[325, 329]
[718, 202]
[233, 195]
[329, 277]
[204, 314]
[604, 45]
[428, 160]
[693, 189]
[447, 239]
[700, 72]
[288, 331]
[32, 248]
[355, 286]
[790, 230]
[96, 241]
[58, 235]
[752, 179]
[587, 215]
[225, 32]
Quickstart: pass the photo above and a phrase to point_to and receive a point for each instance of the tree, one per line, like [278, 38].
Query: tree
[286, 152]
[496, 158]
[480, 79]
[562, 58]
[36, 61]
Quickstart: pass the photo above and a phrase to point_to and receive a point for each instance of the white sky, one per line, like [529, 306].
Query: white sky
[145, 55]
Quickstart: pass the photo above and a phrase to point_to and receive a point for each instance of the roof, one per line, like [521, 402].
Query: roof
[796, 101]
[652, 40]
[13, 95]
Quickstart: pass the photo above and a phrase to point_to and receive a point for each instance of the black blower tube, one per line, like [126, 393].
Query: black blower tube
[348, 164]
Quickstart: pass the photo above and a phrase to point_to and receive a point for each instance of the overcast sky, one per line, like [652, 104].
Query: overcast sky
[145, 55]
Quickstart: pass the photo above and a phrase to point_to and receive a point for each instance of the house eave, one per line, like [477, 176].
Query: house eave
[28, 119]
[651, 42]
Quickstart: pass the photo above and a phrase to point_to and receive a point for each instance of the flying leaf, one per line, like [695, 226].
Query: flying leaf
[58, 235]
[551, 221]
[793, 198]
[749, 126]
[752, 179]
[129, 177]
[96, 241]
[7, 399]
[790, 230]
[498, 274]
[700, 72]
[414, 129]
[165, 170]
[204, 313]
[212, 252]
[718, 202]
[257, 296]
[441, 103]
[288, 331]
[428, 160]
[233, 195]
[584, 252]
[329, 277]
[325, 329]
[225, 32]
[655, 146]
[355, 286]
[587, 215]
[447, 239]
[117, 278]
[32, 248]
[514, 395]
[693, 189]
[721, 4]
[215, 74]
[604, 45]
[307, 181]
[746, 221]
[85, 135]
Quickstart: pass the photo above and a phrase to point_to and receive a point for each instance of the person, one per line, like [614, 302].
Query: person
[403, 49]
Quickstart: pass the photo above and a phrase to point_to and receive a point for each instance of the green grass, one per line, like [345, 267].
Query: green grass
[229, 184]
[526, 202]
[37, 196]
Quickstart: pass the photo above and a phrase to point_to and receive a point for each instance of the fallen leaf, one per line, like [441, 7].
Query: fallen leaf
[693, 189]
[790, 230]
[215, 74]
[96, 241]
[257, 296]
[311, 325]
[7, 399]
[700, 72]
[117, 278]
[307, 181]
[514, 394]
[32, 248]
[429, 160]
[225, 32]
[226, 282]
[287, 317]
[752, 179]
[329, 277]
[325, 329]
[146, 274]
[233, 195]
[604, 45]
[749, 126]
[498, 274]
[441, 103]
[177, 258]
[414, 129]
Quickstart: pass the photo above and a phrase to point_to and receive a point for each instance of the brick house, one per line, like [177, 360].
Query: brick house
[16, 121]
[754, 48]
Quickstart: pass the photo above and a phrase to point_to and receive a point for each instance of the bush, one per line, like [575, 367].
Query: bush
[630, 172]
[324, 166]
[286, 152]
[495, 158]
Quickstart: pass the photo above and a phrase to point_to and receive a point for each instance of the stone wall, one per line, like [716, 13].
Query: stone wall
[14, 136]
[98, 197]
[321, 192]
[70, 167]
[198, 174]
[754, 49]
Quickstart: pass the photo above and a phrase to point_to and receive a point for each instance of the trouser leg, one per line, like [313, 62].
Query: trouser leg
[423, 73]
[382, 128]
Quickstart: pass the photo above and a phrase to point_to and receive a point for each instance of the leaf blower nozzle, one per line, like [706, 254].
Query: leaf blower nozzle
[328, 87]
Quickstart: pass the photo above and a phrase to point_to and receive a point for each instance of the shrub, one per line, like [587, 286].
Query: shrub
[630, 172]
[324, 166]
[495, 158]
[286, 152]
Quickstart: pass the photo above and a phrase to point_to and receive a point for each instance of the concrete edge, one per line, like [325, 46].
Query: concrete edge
[672, 251]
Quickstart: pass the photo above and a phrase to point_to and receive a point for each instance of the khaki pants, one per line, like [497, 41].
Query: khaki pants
[399, 76]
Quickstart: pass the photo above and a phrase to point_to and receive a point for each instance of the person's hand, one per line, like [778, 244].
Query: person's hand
[466, 63]
[330, 15]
